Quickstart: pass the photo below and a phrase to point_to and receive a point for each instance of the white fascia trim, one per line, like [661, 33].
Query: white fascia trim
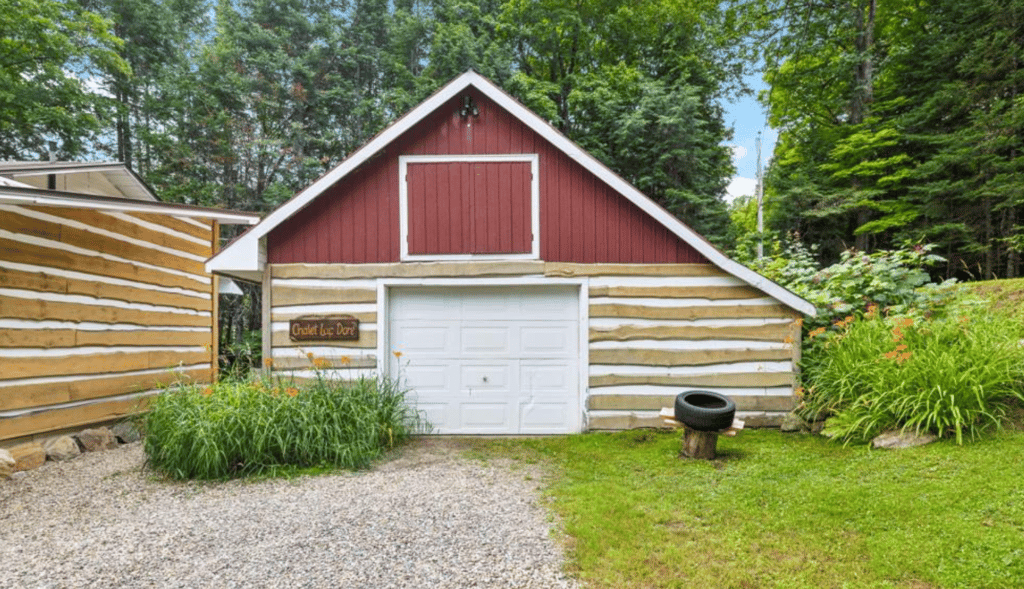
[403, 205]
[560, 141]
[241, 256]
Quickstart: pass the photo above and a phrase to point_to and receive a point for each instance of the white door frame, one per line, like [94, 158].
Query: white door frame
[384, 351]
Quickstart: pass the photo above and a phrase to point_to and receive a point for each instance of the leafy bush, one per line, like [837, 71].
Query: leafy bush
[895, 281]
[244, 427]
[952, 374]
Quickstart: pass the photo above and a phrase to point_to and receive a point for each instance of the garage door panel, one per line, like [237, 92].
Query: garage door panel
[552, 381]
[428, 378]
[437, 415]
[486, 379]
[418, 305]
[543, 418]
[426, 340]
[557, 340]
[493, 340]
[482, 417]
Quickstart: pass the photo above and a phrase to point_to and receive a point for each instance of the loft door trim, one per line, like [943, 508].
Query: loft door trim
[403, 205]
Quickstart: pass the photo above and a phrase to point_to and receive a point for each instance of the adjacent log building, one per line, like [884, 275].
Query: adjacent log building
[104, 297]
[511, 280]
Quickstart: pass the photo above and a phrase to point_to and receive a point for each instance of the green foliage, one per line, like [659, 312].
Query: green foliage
[893, 281]
[50, 53]
[781, 510]
[237, 428]
[953, 375]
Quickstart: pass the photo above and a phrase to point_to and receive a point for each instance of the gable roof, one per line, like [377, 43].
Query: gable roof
[247, 254]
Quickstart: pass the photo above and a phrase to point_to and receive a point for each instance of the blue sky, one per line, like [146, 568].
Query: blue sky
[747, 117]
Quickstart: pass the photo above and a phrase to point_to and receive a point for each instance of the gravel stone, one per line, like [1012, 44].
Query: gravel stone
[429, 518]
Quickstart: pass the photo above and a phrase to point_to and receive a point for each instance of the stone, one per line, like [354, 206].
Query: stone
[793, 423]
[95, 439]
[28, 456]
[894, 440]
[7, 463]
[126, 432]
[62, 448]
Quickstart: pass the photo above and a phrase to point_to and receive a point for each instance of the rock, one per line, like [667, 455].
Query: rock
[895, 440]
[99, 438]
[126, 432]
[28, 456]
[793, 423]
[62, 448]
[817, 426]
[7, 463]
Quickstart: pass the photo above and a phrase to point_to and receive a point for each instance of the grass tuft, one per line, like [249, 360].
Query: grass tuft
[261, 425]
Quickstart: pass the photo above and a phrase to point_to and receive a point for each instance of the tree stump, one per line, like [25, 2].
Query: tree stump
[699, 445]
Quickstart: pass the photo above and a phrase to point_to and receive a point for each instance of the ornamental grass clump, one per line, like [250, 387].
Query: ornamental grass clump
[952, 375]
[261, 425]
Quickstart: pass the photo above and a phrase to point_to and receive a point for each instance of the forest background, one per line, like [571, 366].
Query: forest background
[900, 122]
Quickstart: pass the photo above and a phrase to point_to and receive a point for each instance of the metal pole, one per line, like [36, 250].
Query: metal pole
[760, 201]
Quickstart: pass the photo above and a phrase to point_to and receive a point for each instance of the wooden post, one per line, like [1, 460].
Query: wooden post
[700, 445]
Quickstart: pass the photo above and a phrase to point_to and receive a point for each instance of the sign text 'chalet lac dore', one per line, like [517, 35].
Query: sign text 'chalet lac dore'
[342, 327]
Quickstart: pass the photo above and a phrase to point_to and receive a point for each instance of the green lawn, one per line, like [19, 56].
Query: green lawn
[784, 510]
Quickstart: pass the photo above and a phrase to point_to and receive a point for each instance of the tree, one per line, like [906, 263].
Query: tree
[639, 87]
[52, 56]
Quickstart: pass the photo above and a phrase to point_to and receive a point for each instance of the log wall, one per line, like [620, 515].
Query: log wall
[654, 331]
[98, 310]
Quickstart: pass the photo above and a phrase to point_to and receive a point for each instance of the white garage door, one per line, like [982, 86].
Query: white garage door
[489, 360]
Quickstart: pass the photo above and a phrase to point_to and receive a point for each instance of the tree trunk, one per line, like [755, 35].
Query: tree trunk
[699, 445]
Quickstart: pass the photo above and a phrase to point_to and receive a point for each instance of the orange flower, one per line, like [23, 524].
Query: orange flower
[907, 321]
[310, 356]
[892, 354]
[872, 310]
[321, 363]
[816, 332]
[291, 391]
[207, 391]
[268, 362]
[799, 321]
[345, 360]
[897, 334]
[903, 357]
[397, 354]
[849, 319]
[964, 319]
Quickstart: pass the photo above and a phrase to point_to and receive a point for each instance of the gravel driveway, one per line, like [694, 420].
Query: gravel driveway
[429, 518]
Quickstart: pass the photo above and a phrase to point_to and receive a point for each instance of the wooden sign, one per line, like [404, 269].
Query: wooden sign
[338, 328]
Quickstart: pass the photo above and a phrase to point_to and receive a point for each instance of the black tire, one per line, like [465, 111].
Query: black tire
[705, 411]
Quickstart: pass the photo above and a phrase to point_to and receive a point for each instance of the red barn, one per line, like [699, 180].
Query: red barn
[515, 283]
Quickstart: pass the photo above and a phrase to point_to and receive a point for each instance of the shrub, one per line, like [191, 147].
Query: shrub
[952, 374]
[258, 425]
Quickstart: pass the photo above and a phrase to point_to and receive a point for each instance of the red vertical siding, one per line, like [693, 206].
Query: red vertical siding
[581, 218]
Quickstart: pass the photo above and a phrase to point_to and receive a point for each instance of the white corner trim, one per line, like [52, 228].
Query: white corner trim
[548, 132]
[403, 205]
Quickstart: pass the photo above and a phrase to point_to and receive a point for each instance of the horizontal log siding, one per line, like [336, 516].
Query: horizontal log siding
[97, 310]
[317, 290]
[656, 333]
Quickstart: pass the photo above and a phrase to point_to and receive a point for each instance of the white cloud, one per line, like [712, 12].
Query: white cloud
[738, 152]
[740, 186]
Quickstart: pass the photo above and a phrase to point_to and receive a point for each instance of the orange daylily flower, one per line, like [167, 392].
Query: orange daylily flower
[397, 354]
[816, 332]
[268, 362]
[291, 391]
